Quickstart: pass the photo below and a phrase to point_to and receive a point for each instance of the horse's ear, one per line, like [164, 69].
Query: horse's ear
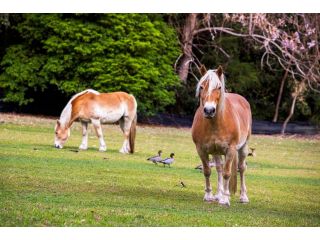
[202, 70]
[219, 71]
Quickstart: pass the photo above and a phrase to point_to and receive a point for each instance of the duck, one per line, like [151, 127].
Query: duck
[211, 165]
[156, 159]
[252, 153]
[168, 160]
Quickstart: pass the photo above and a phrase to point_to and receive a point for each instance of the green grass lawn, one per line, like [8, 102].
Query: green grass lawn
[44, 186]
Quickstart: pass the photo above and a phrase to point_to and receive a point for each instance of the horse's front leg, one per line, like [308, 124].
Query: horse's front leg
[97, 126]
[84, 143]
[208, 197]
[219, 165]
[231, 157]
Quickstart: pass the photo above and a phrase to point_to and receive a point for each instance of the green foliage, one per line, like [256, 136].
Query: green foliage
[110, 52]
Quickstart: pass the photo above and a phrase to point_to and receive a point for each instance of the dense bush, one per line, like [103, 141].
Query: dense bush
[110, 52]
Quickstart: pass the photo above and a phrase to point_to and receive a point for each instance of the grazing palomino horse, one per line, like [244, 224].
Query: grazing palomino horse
[99, 108]
[221, 126]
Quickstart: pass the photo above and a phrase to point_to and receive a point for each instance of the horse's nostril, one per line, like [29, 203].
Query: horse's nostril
[209, 111]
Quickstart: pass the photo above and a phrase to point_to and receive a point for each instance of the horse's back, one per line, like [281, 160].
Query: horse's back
[120, 98]
[109, 107]
[106, 100]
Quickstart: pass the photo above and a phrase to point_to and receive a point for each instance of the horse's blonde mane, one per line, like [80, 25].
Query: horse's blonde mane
[66, 112]
[214, 82]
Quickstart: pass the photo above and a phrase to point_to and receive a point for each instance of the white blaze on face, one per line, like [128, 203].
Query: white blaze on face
[210, 105]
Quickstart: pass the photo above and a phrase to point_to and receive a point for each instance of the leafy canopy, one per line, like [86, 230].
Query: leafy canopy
[110, 52]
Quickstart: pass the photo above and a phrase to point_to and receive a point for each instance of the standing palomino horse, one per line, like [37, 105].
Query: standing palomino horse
[99, 108]
[221, 126]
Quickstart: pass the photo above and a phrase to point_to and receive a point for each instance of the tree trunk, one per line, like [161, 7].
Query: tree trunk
[298, 90]
[187, 40]
[293, 104]
[276, 113]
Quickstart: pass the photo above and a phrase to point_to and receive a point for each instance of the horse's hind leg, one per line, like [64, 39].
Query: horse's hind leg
[208, 197]
[243, 153]
[125, 125]
[97, 126]
[84, 143]
[218, 161]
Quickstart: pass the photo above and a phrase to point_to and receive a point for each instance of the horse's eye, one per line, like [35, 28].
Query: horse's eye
[56, 133]
[219, 88]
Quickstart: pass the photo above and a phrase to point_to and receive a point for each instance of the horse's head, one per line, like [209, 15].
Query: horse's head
[210, 90]
[62, 134]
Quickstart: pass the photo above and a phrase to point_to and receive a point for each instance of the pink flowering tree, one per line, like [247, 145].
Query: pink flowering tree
[290, 39]
[293, 41]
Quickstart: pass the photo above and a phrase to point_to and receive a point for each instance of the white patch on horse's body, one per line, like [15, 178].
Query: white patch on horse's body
[112, 116]
[242, 143]
[66, 112]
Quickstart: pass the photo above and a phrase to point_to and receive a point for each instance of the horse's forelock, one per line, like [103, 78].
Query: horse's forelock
[214, 81]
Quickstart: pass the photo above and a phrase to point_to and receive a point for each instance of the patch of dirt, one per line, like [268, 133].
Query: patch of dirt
[312, 132]
[25, 119]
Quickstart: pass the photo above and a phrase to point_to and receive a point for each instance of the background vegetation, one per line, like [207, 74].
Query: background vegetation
[46, 58]
[110, 52]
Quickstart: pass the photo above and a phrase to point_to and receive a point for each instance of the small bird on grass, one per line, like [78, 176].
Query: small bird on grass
[156, 159]
[211, 165]
[168, 161]
[252, 153]
[182, 184]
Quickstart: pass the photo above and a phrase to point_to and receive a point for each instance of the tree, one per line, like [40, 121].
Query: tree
[186, 43]
[291, 39]
[288, 41]
[107, 52]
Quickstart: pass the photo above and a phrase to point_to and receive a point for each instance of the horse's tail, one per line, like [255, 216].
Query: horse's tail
[132, 134]
[233, 178]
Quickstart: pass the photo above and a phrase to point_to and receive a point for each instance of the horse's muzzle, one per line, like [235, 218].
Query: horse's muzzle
[57, 146]
[208, 116]
[209, 112]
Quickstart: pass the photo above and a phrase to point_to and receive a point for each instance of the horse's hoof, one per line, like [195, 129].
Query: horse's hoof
[124, 151]
[224, 204]
[83, 147]
[224, 201]
[102, 148]
[217, 197]
[244, 199]
[208, 198]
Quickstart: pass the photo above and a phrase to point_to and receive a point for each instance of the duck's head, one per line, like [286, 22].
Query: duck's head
[159, 152]
[171, 155]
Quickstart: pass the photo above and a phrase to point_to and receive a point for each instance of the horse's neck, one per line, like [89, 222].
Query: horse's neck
[221, 106]
[65, 117]
[220, 116]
